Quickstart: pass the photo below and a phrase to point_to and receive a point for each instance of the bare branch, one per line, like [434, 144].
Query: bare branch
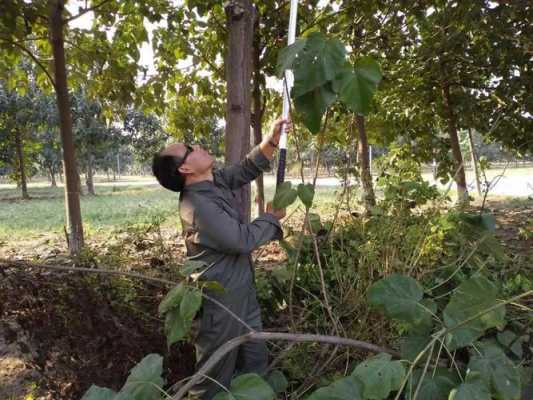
[85, 11]
[264, 336]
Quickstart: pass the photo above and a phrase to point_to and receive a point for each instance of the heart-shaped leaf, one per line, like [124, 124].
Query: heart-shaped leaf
[472, 297]
[247, 387]
[285, 196]
[379, 376]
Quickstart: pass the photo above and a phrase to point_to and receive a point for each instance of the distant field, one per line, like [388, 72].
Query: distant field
[130, 200]
[133, 199]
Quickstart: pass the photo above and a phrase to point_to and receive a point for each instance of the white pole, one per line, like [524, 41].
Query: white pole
[289, 78]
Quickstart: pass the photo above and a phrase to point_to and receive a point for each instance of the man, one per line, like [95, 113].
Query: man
[215, 235]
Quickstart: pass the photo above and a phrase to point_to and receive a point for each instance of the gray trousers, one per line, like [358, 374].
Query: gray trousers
[216, 328]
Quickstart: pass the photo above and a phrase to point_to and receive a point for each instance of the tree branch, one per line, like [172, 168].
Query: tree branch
[263, 336]
[33, 57]
[85, 11]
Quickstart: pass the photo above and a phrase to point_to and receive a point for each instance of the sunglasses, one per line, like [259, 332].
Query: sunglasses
[189, 150]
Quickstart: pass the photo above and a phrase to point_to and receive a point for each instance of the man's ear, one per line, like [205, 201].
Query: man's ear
[185, 170]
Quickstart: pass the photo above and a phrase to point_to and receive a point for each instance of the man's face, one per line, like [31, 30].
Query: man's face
[198, 161]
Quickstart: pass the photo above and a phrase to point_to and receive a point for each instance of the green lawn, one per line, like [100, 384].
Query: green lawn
[111, 208]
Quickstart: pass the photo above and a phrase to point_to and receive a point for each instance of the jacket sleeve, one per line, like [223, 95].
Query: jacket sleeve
[247, 170]
[220, 231]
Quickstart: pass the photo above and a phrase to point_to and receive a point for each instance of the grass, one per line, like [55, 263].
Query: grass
[114, 206]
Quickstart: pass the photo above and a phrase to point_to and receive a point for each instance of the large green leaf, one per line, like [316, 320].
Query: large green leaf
[191, 266]
[497, 370]
[277, 381]
[98, 393]
[511, 341]
[400, 297]
[319, 63]
[348, 388]
[288, 55]
[191, 302]
[247, 387]
[379, 375]
[285, 196]
[473, 296]
[145, 381]
[357, 86]
[474, 388]
[313, 104]
[172, 299]
[306, 193]
[176, 328]
[412, 345]
[435, 385]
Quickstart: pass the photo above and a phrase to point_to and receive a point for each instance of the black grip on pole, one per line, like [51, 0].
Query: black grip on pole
[281, 167]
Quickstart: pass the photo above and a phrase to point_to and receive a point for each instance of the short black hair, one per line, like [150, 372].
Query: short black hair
[165, 169]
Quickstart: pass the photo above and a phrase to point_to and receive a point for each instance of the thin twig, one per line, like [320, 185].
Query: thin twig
[85, 11]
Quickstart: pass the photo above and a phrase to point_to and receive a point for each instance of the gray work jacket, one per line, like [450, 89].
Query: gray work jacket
[213, 231]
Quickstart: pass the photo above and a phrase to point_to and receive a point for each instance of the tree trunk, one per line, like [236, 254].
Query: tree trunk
[21, 167]
[459, 170]
[474, 161]
[90, 176]
[72, 195]
[257, 120]
[369, 198]
[52, 176]
[118, 168]
[240, 19]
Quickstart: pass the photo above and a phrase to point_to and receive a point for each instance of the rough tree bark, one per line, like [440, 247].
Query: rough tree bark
[52, 176]
[240, 16]
[257, 120]
[20, 161]
[90, 175]
[369, 198]
[72, 186]
[475, 165]
[459, 170]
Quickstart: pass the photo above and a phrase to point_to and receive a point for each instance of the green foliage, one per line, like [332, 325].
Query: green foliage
[322, 75]
[474, 388]
[179, 307]
[247, 387]
[472, 297]
[99, 393]
[497, 371]
[435, 385]
[402, 183]
[286, 195]
[143, 383]
[277, 381]
[401, 298]
[306, 193]
[348, 388]
[380, 376]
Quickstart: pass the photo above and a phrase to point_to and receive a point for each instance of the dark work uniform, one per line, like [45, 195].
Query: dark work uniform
[215, 235]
